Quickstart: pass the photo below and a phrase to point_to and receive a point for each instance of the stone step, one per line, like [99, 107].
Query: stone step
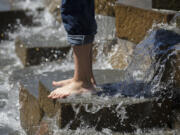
[149, 4]
[158, 56]
[41, 47]
[44, 46]
[11, 18]
[145, 4]
[91, 132]
[98, 111]
[133, 23]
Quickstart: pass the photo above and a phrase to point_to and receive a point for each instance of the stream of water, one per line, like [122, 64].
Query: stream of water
[9, 62]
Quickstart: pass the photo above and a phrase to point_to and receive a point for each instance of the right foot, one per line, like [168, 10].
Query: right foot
[74, 87]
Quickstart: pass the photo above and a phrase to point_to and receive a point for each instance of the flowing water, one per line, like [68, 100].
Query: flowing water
[9, 104]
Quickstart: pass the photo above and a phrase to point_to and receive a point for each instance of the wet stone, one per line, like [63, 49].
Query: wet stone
[99, 111]
[38, 48]
[9, 20]
[30, 111]
[107, 132]
[54, 8]
[166, 4]
[132, 23]
[146, 4]
[156, 61]
[121, 54]
[105, 7]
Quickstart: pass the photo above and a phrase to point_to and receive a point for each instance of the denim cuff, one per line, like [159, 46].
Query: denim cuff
[75, 40]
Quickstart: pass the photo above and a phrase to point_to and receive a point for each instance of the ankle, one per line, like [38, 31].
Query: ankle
[83, 82]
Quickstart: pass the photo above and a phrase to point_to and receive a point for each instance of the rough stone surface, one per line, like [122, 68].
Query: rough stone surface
[133, 23]
[166, 4]
[45, 127]
[30, 112]
[147, 4]
[120, 116]
[47, 105]
[117, 113]
[105, 7]
[38, 48]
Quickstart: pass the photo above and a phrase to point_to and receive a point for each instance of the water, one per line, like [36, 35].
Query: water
[4, 5]
[9, 92]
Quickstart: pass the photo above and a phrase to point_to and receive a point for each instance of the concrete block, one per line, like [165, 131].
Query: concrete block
[115, 113]
[38, 48]
[146, 4]
[133, 23]
[30, 111]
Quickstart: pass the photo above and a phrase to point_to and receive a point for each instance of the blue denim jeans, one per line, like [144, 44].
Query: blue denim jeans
[78, 17]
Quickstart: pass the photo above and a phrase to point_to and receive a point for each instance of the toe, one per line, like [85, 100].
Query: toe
[50, 95]
[56, 96]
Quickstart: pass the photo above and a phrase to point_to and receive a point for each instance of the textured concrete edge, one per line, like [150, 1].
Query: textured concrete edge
[30, 112]
[126, 31]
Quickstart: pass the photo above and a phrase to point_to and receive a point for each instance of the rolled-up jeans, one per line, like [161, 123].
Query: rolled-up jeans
[78, 17]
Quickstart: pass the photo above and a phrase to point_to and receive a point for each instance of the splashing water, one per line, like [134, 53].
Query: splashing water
[145, 70]
[9, 92]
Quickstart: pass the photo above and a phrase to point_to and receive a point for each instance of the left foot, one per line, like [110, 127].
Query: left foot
[62, 83]
[74, 87]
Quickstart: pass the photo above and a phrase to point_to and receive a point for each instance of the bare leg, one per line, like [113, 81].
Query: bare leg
[83, 80]
[68, 81]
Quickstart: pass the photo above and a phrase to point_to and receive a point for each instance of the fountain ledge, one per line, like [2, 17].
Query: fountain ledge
[119, 114]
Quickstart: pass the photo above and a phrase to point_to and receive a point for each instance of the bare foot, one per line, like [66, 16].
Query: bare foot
[74, 87]
[68, 81]
[62, 83]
